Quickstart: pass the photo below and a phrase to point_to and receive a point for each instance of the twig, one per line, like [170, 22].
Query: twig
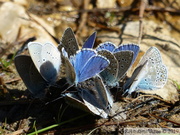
[150, 96]
[160, 9]
[106, 123]
[109, 123]
[12, 80]
[83, 17]
[123, 9]
[157, 117]
[141, 12]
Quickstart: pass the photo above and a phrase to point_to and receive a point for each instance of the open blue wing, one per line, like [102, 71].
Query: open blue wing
[81, 58]
[106, 46]
[93, 66]
[89, 43]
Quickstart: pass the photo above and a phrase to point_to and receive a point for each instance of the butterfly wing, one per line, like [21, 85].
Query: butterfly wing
[51, 62]
[81, 58]
[109, 75]
[89, 43]
[153, 75]
[139, 73]
[75, 100]
[69, 42]
[30, 75]
[129, 47]
[105, 94]
[47, 60]
[106, 46]
[69, 70]
[95, 96]
[96, 87]
[156, 78]
[124, 59]
[156, 71]
[90, 101]
[153, 56]
[88, 98]
[35, 49]
[93, 66]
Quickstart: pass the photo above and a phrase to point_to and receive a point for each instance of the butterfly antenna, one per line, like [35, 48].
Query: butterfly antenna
[125, 92]
[60, 96]
[67, 88]
[54, 100]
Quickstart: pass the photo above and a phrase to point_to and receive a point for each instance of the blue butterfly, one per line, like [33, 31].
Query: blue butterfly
[121, 58]
[123, 47]
[92, 96]
[150, 73]
[84, 65]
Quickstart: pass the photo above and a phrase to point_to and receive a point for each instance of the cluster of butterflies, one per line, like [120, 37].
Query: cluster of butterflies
[92, 71]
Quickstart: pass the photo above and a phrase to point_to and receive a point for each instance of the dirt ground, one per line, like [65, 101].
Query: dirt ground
[146, 22]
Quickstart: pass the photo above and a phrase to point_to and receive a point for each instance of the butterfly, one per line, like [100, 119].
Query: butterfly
[150, 73]
[121, 58]
[31, 77]
[92, 96]
[47, 59]
[70, 44]
[74, 62]
[85, 64]
[122, 47]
